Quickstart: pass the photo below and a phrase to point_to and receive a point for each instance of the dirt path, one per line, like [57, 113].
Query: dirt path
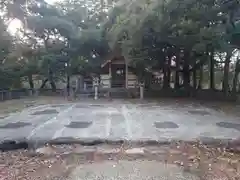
[56, 162]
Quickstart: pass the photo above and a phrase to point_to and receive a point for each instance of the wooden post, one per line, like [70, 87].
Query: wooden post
[96, 88]
[110, 74]
[141, 90]
[77, 84]
[126, 76]
[95, 92]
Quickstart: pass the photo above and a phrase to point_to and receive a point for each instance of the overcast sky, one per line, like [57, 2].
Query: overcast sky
[15, 24]
[51, 1]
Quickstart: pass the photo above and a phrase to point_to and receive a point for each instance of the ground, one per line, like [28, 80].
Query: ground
[120, 120]
[175, 139]
[174, 161]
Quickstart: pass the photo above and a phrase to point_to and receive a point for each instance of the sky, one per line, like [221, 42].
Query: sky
[51, 1]
[16, 24]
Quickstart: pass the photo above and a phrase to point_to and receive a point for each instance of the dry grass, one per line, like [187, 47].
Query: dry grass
[15, 105]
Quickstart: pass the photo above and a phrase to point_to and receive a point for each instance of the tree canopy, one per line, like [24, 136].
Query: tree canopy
[185, 40]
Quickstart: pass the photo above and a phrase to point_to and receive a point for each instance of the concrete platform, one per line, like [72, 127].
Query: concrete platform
[119, 120]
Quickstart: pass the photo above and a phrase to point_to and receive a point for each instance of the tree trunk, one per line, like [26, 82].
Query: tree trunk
[226, 74]
[165, 77]
[79, 83]
[169, 72]
[51, 81]
[200, 78]
[212, 77]
[176, 86]
[50, 73]
[30, 81]
[235, 78]
[186, 72]
[44, 83]
[68, 85]
[53, 86]
[234, 89]
[186, 78]
[194, 76]
[166, 73]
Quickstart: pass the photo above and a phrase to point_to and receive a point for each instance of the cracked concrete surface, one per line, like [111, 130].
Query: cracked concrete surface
[120, 120]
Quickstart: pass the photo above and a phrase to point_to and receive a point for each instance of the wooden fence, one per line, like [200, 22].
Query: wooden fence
[15, 94]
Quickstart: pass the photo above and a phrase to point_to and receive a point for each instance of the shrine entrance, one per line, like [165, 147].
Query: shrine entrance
[118, 75]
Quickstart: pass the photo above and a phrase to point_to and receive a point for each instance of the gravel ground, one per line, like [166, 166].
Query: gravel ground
[58, 161]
